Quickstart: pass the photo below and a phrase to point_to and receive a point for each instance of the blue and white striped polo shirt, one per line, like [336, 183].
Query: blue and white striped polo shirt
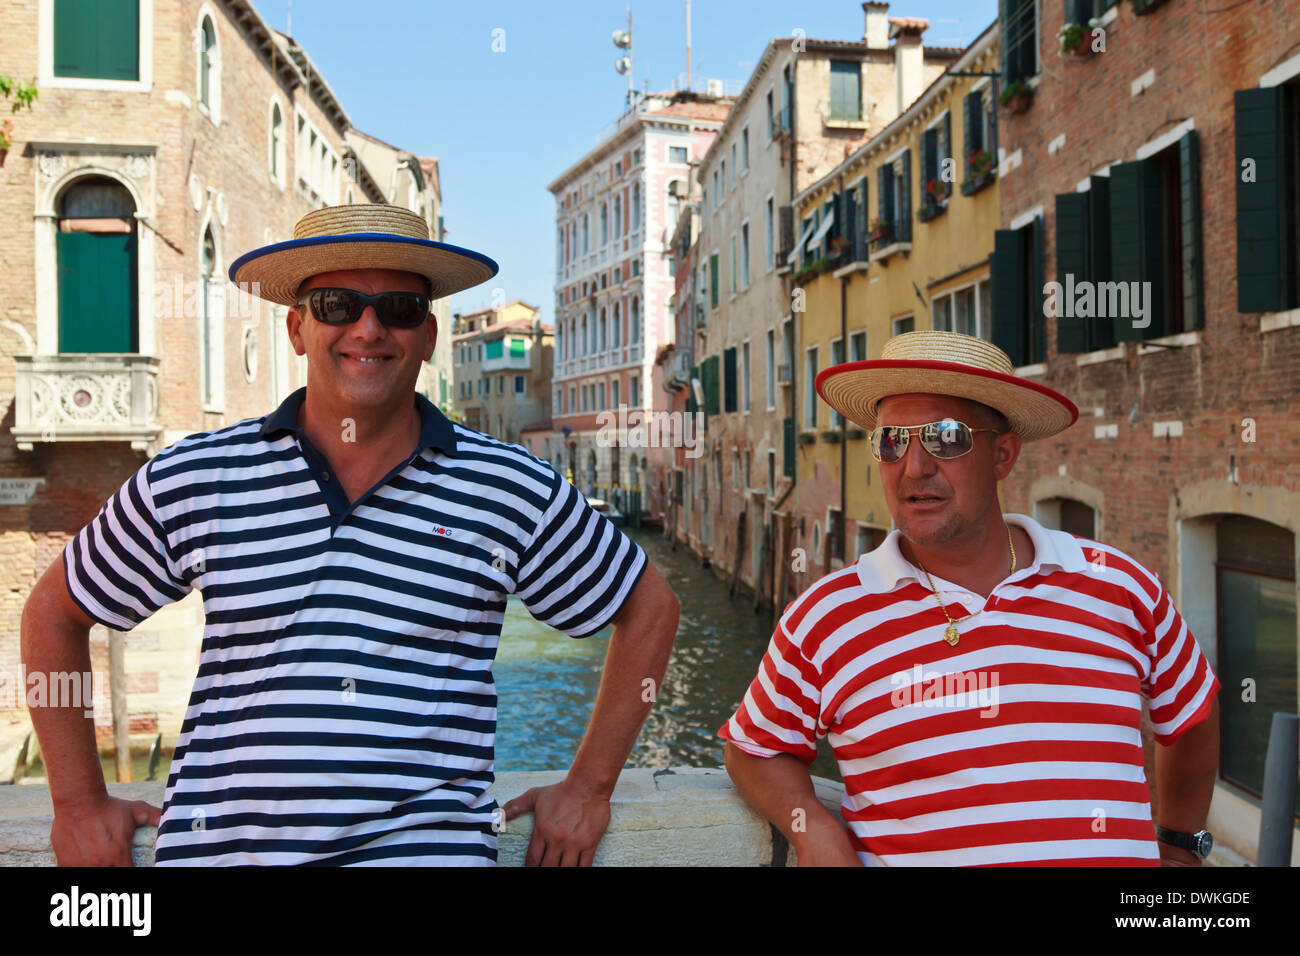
[344, 709]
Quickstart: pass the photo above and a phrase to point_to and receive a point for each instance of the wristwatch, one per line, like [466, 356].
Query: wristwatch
[1200, 843]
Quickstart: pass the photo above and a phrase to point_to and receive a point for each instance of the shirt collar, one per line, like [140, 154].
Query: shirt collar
[435, 430]
[885, 568]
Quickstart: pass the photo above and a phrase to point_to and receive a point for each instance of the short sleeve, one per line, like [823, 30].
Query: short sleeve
[118, 568]
[577, 569]
[781, 709]
[1181, 685]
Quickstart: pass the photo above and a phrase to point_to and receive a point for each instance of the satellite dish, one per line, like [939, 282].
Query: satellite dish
[622, 39]
[623, 64]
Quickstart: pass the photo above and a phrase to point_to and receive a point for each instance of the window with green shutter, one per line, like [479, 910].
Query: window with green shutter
[518, 348]
[493, 349]
[1016, 268]
[709, 379]
[713, 280]
[97, 39]
[1156, 243]
[846, 90]
[788, 447]
[1268, 195]
[729, 380]
[1019, 29]
[1071, 269]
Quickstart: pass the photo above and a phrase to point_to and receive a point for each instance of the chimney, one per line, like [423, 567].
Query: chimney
[876, 33]
[909, 57]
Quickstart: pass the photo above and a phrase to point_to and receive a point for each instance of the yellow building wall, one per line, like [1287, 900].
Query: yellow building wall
[948, 252]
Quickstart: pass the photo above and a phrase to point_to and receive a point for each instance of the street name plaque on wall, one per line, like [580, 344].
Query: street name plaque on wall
[19, 491]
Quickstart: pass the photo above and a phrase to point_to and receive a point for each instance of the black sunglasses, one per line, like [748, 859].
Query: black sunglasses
[400, 310]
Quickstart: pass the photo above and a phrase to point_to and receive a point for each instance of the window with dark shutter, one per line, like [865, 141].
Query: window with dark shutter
[729, 380]
[1007, 269]
[1268, 250]
[904, 183]
[1019, 27]
[1016, 268]
[1071, 269]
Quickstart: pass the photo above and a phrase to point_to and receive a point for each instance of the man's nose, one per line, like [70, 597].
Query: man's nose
[917, 462]
[368, 327]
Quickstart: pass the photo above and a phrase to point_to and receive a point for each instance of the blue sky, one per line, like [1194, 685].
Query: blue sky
[423, 76]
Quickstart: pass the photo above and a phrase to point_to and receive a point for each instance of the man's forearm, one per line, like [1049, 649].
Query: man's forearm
[638, 652]
[779, 789]
[1185, 775]
[53, 644]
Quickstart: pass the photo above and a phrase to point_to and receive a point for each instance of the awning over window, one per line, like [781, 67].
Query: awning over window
[798, 246]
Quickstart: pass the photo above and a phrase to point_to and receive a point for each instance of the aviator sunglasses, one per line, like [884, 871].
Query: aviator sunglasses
[399, 310]
[945, 440]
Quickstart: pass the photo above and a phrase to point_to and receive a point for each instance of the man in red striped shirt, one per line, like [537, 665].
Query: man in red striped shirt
[980, 677]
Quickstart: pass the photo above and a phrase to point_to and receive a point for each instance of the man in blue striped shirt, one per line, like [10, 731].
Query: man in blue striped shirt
[354, 550]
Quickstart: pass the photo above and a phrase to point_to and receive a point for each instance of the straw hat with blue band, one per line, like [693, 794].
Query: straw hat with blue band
[362, 236]
[945, 363]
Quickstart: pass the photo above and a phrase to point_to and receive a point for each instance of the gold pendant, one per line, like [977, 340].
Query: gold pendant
[951, 636]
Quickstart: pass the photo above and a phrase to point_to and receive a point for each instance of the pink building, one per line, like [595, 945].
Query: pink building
[616, 211]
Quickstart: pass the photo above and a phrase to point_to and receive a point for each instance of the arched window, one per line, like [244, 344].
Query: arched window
[604, 224]
[617, 322]
[586, 233]
[275, 160]
[97, 257]
[209, 68]
[636, 206]
[618, 216]
[584, 335]
[601, 346]
[634, 325]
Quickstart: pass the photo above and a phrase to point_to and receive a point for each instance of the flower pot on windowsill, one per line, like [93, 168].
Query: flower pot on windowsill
[1018, 104]
[831, 436]
[807, 438]
[854, 434]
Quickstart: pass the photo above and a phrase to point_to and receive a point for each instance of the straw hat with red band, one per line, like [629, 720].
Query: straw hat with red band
[945, 363]
[362, 236]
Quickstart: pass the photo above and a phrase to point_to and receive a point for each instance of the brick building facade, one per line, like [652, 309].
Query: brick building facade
[1169, 160]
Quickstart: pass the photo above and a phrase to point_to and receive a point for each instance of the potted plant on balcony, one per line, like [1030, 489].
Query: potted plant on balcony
[879, 229]
[1073, 38]
[838, 247]
[979, 171]
[1017, 97]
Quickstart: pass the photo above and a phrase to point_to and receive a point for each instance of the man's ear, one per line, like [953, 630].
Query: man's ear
[433, 337]
[293, 324]
[1005, 452]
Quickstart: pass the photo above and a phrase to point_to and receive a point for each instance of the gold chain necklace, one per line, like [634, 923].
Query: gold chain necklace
[950, 632]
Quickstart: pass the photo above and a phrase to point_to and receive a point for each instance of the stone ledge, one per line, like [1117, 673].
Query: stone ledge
[685, 816]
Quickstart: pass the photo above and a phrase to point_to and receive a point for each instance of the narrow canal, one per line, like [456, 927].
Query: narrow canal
[547, 682]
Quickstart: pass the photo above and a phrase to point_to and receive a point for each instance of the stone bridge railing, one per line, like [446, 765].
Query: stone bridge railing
[679, 817]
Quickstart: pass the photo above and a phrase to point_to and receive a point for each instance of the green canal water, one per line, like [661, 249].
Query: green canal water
[547, 682]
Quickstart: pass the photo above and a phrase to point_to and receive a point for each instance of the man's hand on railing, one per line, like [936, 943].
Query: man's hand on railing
[99, 833]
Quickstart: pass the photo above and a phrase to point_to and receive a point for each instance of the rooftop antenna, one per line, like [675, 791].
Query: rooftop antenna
[623, 40]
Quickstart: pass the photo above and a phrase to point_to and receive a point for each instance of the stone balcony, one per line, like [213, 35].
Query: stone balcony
[86, 397]
[678, 817]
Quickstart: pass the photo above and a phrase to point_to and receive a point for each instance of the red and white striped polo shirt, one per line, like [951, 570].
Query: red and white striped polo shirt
[1022, 744]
